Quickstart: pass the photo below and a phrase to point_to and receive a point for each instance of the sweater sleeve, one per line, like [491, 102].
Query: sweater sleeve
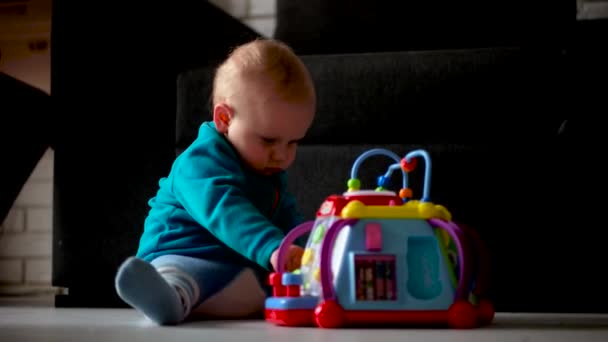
[209, 183]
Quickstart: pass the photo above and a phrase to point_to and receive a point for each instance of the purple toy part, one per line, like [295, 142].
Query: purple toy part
[288, 240]
[482, 280]
[325, 262]
[463, 254]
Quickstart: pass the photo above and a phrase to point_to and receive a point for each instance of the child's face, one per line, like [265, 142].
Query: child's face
[265, 129]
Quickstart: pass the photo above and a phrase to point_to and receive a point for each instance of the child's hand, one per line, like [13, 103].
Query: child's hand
[294, 257]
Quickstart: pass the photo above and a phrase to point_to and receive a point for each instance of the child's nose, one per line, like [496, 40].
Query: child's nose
[279, 153]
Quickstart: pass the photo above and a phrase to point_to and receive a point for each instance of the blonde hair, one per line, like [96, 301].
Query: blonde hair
[263, 58]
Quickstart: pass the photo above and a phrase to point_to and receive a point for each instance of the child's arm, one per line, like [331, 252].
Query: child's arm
[209, 183]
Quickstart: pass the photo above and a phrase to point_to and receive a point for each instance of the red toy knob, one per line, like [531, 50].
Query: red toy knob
[274, 278]
[278, 290]
[408, 167]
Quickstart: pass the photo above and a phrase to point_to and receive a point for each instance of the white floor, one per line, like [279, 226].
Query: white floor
[38, 323]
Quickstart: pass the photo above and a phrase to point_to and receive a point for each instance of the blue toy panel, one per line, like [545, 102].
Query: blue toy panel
[409, 272]
[292, 303]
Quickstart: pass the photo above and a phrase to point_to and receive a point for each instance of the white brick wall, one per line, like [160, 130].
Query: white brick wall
[12, 270]
[26, 234]
[38, 271]
[15, 221]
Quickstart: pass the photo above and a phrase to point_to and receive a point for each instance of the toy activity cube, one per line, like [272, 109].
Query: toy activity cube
[377, 257]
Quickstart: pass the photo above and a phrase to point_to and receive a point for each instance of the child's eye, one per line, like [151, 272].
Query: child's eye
[268, 141]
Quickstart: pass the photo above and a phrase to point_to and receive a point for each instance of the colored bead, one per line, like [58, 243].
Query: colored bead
[408, 167]
[354, 183]
[307, 257]
[382, 181]
[380, 188]
[405, 193]
[318, 233]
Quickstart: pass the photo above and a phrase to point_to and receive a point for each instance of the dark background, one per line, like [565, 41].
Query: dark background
[112, 113]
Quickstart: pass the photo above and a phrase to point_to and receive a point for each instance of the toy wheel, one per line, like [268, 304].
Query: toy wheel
[329, 314]
[462, 315]
[485, 312]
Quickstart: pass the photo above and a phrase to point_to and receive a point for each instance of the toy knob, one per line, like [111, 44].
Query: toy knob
[274, 279]
[353, 184]
[405, 193]
[382, 181]
[408, 167]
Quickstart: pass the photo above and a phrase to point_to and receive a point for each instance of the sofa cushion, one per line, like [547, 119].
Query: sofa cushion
[413, 97]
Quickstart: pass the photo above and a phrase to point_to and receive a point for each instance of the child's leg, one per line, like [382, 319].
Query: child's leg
[221, 290]
[241, 297]
[167, 289]
[140, 285]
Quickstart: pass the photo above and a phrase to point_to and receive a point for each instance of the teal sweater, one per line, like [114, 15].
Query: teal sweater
[211, 206]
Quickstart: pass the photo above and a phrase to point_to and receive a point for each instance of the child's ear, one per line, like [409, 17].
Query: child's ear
[222, 114]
